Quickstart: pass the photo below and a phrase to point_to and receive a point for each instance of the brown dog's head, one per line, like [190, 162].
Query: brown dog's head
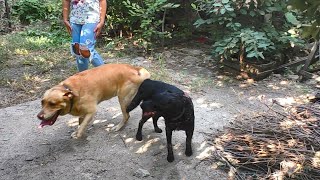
[56, 101]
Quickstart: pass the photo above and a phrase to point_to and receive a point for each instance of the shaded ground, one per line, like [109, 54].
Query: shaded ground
[49, 153]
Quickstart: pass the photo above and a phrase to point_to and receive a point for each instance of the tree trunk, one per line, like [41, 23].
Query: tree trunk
[7, 14]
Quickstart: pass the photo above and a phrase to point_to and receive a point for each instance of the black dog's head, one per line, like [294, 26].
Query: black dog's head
[166, 104]
[148, 89]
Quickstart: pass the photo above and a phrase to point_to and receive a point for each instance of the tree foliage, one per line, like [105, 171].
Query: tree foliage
[31, 10]
[310, 10]
[254, 29]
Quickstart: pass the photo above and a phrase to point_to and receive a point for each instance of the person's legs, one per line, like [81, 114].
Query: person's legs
[87, 41]
[83, 63]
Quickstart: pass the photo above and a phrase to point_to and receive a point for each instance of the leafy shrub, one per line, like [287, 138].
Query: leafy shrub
[259, 28]
[144, 18]
[255, 44]
[45, 21]
[30, 10]
[311, 13]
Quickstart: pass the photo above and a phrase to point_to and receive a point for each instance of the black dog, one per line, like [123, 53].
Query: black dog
[178, 112]
[147, 89]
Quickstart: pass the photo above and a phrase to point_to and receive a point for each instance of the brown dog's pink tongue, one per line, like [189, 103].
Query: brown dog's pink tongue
[44, 123]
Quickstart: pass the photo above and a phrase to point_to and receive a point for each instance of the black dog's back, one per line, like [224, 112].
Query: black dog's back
[148, 88]
[177, 109]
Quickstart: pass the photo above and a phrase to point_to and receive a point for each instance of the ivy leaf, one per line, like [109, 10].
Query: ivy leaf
[237, 24]
[222, 11]
[261, 55]
[291, 18]
[261, 12]
[249, 48]
[252, 54]
[199, 22]
[194, 6]
[243, 11]
[229, 8]
[219, 50]
[252, 13]
[225, 1]
[217, 4]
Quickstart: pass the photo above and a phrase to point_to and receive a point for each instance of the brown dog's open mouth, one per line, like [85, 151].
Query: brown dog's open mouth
[49, 121]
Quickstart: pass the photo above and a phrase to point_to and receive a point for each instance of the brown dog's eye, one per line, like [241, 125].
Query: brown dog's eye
[51, 103]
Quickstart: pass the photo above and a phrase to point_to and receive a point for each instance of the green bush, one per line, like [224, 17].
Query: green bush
[311, 13]
[253, 29]
[30, 10]
[45, 20]
[144, 18]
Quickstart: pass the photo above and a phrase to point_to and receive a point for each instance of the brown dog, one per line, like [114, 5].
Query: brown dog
[80, 94]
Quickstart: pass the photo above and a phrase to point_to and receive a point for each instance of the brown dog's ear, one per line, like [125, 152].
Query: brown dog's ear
[68, 94]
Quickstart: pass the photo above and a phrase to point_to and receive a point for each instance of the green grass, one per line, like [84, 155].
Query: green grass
[30, 62]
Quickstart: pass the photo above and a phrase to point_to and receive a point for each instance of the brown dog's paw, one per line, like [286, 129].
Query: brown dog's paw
[76, 135]
[117, 127]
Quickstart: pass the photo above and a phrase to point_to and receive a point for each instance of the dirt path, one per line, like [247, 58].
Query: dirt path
[27, 152]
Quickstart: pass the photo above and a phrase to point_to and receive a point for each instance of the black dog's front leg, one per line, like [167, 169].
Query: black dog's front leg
[189, 134]
[170, 156]
[139, 132]
[155, 123]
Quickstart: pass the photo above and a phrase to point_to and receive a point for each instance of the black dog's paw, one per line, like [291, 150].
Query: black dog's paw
[170, 158]
[158, 130]
[188, 152]
[139, 137]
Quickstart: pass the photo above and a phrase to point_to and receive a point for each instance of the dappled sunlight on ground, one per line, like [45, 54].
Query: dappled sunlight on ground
[207, 152]
[147, 145]
[109, 127]
[73, 122]
[97, 121]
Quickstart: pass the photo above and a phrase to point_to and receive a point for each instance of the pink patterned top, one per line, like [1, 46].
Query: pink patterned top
[84, 11]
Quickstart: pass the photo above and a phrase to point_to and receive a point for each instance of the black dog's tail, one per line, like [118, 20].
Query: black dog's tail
[134, 103]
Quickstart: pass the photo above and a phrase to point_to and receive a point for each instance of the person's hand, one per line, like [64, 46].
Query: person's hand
[68, 26]
[98, 29]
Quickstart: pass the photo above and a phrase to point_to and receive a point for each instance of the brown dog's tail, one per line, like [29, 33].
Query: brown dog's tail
[143, 73]
[139, 74]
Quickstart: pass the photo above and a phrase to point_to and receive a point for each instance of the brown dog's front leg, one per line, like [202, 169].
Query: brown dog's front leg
[81, 120]
[170, 156]
[124, 99]
[83, 125]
